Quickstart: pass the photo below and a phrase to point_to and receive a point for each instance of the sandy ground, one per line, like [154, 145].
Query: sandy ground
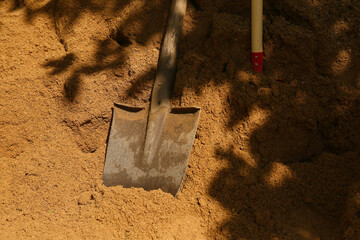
[276, 155]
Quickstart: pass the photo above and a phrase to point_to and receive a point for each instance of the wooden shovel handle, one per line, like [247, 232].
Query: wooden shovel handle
[166, 70]
[257, 35]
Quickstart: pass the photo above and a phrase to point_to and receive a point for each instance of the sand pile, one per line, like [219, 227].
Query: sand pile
[276, 155]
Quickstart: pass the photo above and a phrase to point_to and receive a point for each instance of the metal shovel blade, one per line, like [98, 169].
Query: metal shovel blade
[130, 163]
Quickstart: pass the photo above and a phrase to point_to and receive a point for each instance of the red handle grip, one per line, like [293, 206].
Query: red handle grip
[257, 61]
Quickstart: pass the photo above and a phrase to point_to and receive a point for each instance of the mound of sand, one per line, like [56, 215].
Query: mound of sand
[276, 155]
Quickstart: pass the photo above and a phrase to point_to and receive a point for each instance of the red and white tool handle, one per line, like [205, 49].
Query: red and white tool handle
[257, 35]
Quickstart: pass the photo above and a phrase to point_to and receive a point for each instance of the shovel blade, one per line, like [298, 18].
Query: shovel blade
[125, 164]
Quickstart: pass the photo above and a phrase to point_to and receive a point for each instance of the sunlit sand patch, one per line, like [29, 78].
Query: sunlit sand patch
[306, 234]
[258, 116]
[248, 159]
[256, 119]
[246, 76]
[315, 3]
[278, 174]
[33, 5]
[342, 62]
[184, 227]
[340, 26]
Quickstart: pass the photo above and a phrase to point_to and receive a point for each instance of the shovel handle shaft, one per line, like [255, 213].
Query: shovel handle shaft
[257, 35]
[166, 70]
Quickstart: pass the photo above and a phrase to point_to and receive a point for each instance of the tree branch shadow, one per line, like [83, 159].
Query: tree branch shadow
[306, 150]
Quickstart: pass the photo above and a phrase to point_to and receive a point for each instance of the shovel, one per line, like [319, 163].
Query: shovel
[149, 147]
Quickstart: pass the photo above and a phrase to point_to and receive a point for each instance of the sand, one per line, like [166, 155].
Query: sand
[276, 155]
